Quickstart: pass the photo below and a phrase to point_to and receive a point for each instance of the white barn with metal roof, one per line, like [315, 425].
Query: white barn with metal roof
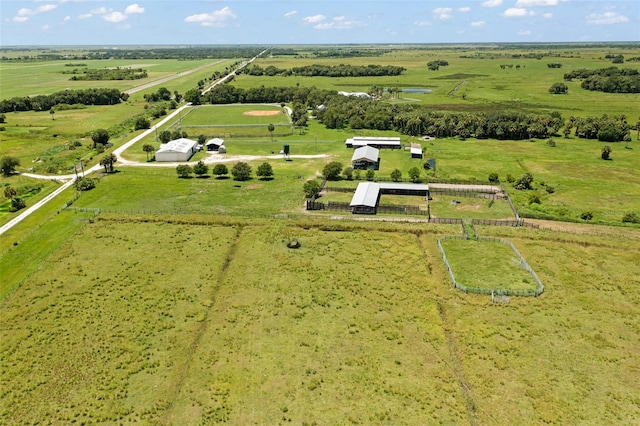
[177, 150]
[387, 142]
[214, 144]
[367, 196]
[366, 157]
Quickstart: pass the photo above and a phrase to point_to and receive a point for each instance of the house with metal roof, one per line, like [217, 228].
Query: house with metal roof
[380, 142]
[366, 157]
[177, 150]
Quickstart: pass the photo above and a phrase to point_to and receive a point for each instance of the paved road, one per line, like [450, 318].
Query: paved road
[169, 78]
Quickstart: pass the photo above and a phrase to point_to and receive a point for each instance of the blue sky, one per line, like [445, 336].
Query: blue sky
[266, 22]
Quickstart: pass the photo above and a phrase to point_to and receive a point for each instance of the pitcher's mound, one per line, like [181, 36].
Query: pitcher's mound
[261, 113]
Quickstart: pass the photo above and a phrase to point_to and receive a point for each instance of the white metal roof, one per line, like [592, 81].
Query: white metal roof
[367, 153]
[182, 145]
[215, 141]
[366, 195]
[417, 151]
[358, 141]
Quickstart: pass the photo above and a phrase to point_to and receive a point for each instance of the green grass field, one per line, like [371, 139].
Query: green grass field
[216, 115]
[253, 332]
[179, 302]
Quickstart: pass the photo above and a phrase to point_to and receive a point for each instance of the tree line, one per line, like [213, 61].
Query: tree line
[107, 74]
[228, 94]
[94, 96]
[317, 70]
[611, 80]
[418, 120]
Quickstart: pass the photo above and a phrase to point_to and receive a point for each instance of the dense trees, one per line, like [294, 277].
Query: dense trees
[162, 94]
[94, 96]
[8, 165]
[604, 128]
[306, 96]
[318, 70]
[612, 79]
[164, 136]
[107, 74]
[141, 123]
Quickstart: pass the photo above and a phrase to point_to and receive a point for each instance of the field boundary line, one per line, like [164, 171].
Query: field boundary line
[195, 344]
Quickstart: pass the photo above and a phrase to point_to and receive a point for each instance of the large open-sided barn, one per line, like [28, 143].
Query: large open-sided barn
[366, 157]
[367, 196]
[177, 150]
[214, 144]
[380, 142]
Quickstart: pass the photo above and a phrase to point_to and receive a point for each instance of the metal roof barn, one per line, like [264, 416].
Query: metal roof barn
[366, 157]
[389, 142]
[176, 150]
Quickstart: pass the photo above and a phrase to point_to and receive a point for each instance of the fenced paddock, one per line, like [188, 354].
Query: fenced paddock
[488, 265]
[235, 121]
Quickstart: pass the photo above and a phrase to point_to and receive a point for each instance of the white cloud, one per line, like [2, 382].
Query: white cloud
[85, 16]
[524, 33]
[606, 18]
[133, 8]
[442, 13]
[20, 18]
[314, 19]
[217, 18]
[547, 15]
[464, 9]
[24, 13]
[100, 11]
[492, 3]
[66, 19]
[532, 3]
[114, 17]
[477, 23]
[422, 23]
[290, 14]
[338, 23]
[517, 12]
[46, 27]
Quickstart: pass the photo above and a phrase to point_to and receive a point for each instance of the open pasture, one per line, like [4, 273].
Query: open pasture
[217, 115]
[46, 77]
[253, 332]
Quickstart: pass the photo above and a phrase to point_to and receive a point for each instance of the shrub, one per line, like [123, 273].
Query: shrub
[551, 143]
[371, 175]
[550, 189]
[141, 123]
[241, 171]
[184, 170]
[414, 174]
[85, 184]
[510, 178]
[534, 198]
[265, 171]
[493, 177]
[396, 175]
[606, 152]
[631, 217]
[17, 203]
[347, 173]
[524, 182]
[311, 188]
[332, 170]
[558, 88]
[586, 215]
[220, 169]
[201, 169]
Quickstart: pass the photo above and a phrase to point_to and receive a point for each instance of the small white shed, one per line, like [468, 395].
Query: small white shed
[177, 150]
[214, 144]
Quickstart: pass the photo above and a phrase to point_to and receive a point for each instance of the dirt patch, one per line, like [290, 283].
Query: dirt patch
[261, 113]
[254, 186]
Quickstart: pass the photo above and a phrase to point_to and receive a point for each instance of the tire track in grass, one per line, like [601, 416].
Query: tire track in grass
[195, 344]
[459, 372]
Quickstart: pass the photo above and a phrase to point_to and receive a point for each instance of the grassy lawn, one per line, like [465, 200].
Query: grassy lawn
[469, 208]
[486, 265]
[232, 114]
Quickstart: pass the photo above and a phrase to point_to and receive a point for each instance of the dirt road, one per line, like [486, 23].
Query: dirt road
[169, 78]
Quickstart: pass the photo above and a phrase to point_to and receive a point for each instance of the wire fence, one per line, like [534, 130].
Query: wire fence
[502, 222]
[490, 291]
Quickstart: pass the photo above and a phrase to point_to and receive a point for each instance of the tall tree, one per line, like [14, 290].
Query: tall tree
[8, 165]
[148, 148]
[241, 171]
[271, 128]
[265, 171]
[53, 113]
[201, 169]
[108, 161]
[100, 136]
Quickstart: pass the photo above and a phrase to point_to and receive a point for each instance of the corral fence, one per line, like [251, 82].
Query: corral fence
[501, 222]
[382, 208]
[445, 220]
[468, 193]
[491, 291]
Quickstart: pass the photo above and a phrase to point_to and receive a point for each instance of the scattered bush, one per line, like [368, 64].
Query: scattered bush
[85, 184]
[524, 182]
[201, 169]
[265, 171]
[550, 189]
[141, 123]
[332, 170]
[606, 152]
[311, 188]
[510, 178]
[414, 174]
[551, 143]
[396, 175]
[220, 170]
[17, 203]
[534, 198]
[347, 173]
[631, 217]
[493, 177]
[184, 170]
[371, 175]
[586, 215]
[241, 171]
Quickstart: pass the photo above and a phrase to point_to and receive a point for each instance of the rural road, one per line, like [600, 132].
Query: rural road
[169, 78]
[118, 151]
